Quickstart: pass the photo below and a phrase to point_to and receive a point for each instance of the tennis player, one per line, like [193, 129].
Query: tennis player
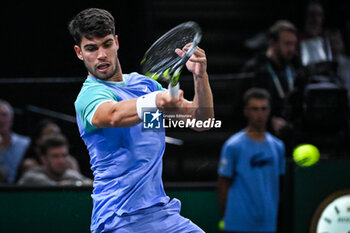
[128, 193]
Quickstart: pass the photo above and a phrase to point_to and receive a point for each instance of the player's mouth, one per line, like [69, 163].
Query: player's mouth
[103, 67]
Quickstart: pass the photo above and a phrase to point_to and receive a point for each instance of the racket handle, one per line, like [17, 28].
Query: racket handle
[174, 90]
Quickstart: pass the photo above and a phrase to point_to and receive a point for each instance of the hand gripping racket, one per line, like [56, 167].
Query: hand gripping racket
[162, 63]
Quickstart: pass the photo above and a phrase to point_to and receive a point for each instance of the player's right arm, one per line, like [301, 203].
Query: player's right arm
[98, 107]
[124, 113]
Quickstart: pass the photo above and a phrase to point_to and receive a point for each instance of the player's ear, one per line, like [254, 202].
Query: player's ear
[77, 50]
[116, 41]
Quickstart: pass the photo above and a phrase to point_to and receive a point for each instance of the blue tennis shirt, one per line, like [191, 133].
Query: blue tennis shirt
[126, 162]
[255, 168]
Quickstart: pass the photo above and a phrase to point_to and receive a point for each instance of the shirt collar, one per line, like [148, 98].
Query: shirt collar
[114, 83]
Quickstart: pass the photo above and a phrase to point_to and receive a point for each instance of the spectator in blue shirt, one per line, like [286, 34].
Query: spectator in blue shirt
[12, 145]
[250, 167]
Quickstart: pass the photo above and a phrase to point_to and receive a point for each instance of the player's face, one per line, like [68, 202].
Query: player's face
[286, 45]
[257, 112]
[99, 56]
[5, 119]
[56, 160]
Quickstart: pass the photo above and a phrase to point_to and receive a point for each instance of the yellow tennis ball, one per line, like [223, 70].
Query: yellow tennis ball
[221, 224]
[306, 155]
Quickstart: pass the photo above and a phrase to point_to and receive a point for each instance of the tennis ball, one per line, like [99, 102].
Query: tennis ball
[306, 155]
[221, 224]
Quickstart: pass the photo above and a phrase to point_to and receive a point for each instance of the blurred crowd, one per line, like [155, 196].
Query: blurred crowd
[40, 160]
[307, 73]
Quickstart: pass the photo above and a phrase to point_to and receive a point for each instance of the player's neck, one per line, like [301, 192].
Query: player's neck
[256, 134]
[118, 76]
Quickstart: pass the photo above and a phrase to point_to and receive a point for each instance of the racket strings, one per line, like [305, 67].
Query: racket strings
[162, 55]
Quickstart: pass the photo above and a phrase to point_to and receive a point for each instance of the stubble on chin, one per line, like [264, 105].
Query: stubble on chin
[103, 77]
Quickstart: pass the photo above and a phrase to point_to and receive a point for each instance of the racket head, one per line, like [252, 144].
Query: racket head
[161, 62]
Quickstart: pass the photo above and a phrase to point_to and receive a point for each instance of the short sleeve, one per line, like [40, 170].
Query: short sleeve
[227, 161]
[89, 100]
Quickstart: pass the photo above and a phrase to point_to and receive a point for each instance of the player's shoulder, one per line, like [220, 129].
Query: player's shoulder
[90, 86]
[274, 140]
[236, 139]
[90, 89]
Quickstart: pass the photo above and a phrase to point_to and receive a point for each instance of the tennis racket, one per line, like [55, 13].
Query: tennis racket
[162, 63]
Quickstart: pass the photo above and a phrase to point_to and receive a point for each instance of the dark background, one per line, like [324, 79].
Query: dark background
[36, 42]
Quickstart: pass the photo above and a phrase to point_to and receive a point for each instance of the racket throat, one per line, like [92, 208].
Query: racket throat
[176, 76]
[174, 90]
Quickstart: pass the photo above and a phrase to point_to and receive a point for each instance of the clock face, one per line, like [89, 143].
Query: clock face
[335, 218]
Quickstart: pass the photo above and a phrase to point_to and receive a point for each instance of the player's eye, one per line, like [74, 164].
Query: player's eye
[91, 48]
[107, 45]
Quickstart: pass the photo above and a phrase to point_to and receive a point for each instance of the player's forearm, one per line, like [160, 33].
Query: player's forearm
[203, 98]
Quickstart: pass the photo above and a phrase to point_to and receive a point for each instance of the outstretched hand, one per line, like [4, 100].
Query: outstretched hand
[197, 64]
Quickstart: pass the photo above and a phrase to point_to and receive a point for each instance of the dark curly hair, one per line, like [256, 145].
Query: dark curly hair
[92, 22]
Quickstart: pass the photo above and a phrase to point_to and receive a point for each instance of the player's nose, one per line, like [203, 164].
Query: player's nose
[101, 54]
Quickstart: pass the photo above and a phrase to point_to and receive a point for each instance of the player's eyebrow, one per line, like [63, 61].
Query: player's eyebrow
[91, 45]
[107, 41]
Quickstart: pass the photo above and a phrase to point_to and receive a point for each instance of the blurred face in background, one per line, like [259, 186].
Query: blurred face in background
[314, 15]
[55, 160]
[5, 119]
[285, 47]
[257, 112]
[50, 128]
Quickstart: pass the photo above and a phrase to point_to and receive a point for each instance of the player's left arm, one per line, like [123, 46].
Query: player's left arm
[201, 107]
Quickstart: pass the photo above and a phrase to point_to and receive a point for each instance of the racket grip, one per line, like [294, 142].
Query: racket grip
[174, 90]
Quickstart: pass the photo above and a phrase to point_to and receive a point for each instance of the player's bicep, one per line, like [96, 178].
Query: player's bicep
[116, 114]
[102, 116]
[89, 101]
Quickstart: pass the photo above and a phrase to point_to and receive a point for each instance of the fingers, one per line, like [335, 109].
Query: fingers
[198, 59]
[179, 52]
[167, 103]
[198, 52]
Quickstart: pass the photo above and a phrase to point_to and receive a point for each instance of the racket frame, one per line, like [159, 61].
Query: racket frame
[171, 72]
